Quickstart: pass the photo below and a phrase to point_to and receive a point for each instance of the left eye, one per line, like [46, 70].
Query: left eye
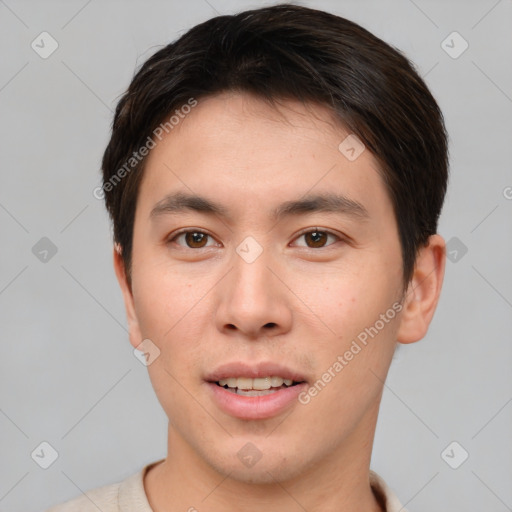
[317, 238]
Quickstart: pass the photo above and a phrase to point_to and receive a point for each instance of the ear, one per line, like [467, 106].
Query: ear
[423, 291]
[133, 323]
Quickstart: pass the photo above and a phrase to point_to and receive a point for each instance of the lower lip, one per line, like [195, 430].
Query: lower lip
[255, 407]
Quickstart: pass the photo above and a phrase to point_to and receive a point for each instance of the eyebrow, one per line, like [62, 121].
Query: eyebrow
[329, 202]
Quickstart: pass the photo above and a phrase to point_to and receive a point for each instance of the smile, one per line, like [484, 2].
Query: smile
[245, 385]
[252, 391]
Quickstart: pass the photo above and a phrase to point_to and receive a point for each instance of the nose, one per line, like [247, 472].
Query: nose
[252, 300]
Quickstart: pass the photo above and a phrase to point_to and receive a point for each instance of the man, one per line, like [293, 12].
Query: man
[274, 180]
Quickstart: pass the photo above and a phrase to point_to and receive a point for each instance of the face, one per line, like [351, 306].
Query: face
[274, 282]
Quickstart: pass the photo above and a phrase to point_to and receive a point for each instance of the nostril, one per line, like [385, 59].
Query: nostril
[270, 324]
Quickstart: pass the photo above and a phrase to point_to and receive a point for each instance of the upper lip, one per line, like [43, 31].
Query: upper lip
[252, 370]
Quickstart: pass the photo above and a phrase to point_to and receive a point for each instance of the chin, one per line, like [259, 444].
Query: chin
[260, 477]
[275, 466]
[262, 473]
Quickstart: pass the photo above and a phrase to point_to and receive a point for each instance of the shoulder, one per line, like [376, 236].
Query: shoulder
[125, 496]
[384, 494]
[105, 498]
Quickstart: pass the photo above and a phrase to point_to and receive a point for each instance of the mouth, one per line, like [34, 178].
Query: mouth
[254, 391]
[260, 386]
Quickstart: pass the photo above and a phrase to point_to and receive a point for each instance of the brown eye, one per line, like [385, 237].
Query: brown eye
[317, 239]
[193, 239]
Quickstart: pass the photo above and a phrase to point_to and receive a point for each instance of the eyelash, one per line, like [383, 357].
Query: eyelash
[309, 230]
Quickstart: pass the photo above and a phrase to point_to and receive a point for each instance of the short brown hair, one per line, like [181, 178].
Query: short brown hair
[292, 52]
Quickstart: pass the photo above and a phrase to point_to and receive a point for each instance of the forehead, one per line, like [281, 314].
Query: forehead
[247, 153]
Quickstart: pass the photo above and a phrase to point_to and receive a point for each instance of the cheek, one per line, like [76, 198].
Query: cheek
[358, 331]
[174, 311]
[165, 299]
[352, 296]
[352, 365]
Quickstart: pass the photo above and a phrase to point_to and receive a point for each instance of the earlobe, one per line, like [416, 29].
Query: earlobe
[423, 292]
[133, 323]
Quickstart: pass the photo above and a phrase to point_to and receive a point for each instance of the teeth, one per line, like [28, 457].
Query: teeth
[231, 382]
[276, 382]
[244, 383]
[260, 383]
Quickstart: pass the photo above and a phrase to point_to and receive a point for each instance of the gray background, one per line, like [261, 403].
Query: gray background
[68, 375]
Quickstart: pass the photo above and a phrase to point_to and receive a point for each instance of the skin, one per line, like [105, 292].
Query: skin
[298, 303]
